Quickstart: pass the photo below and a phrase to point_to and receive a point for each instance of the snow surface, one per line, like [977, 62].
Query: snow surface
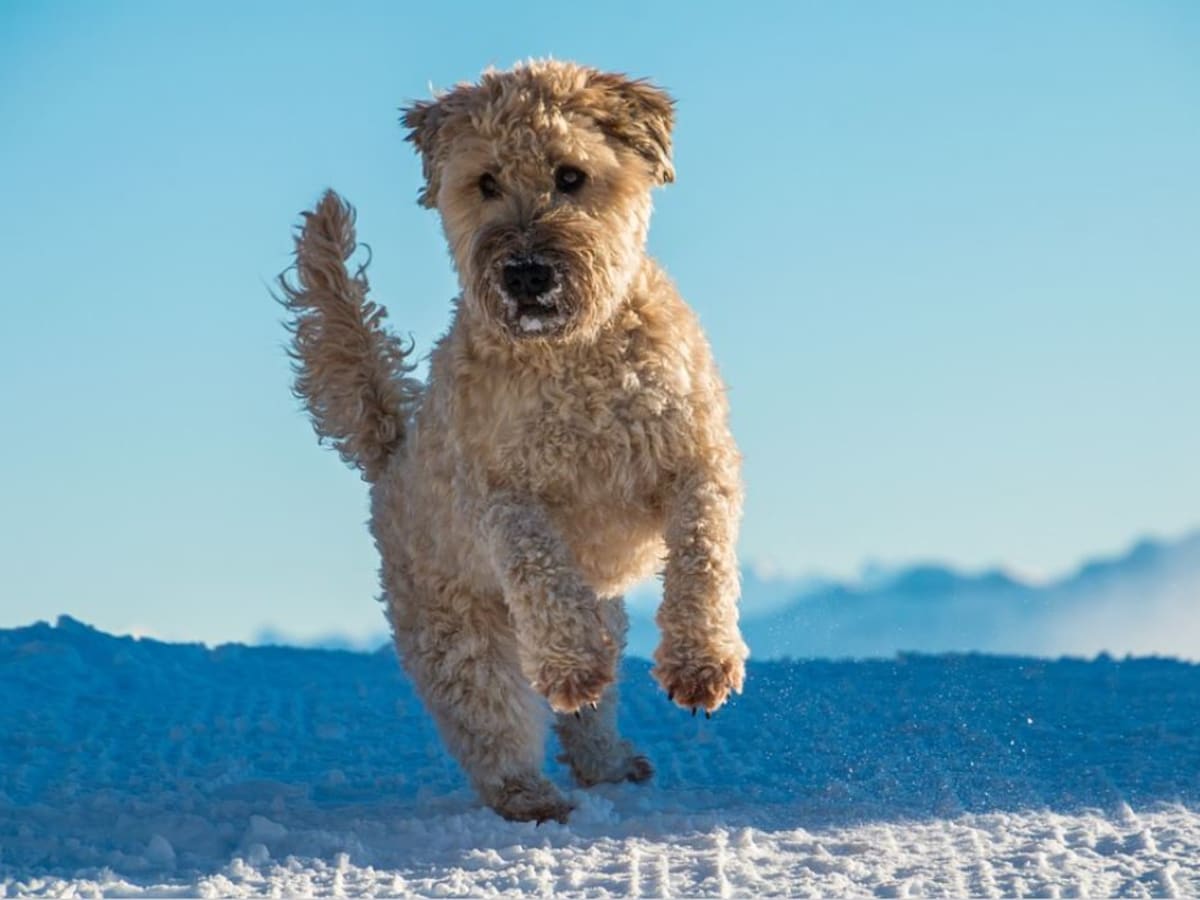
[135, 767]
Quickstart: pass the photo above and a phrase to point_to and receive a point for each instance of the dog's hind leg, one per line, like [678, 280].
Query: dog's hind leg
[462, 655]
[591, 745]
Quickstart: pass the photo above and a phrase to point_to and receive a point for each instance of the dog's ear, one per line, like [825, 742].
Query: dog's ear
[639, 114]
[423, 120]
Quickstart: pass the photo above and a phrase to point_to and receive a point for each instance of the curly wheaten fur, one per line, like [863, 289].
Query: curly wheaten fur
[571, 438]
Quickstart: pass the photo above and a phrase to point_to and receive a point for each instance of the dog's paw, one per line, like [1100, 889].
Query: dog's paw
[576, 675]
[637, 769]
[573, 682]
[697, 679]
[592, 764]
[530, 798]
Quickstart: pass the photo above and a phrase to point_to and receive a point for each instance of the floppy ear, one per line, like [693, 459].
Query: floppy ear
[423, 120]
[639, 114]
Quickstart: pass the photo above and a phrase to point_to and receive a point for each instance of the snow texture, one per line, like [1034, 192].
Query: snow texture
[134, 767]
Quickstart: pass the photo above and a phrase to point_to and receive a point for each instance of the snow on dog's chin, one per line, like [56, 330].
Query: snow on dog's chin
[540, 317]
[540, 324]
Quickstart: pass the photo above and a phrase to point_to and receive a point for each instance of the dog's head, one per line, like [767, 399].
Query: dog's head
[542, 176]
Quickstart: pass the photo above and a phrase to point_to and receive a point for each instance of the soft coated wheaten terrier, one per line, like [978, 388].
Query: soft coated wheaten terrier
[571, 439]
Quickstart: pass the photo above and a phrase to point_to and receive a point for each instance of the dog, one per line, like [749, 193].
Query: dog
[571, 437]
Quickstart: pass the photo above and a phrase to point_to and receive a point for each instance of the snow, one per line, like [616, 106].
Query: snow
[132, 767]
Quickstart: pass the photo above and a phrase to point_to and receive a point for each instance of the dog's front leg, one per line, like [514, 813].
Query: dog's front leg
[564, 647]
[701, 656]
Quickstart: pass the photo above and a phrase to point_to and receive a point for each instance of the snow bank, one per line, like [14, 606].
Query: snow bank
[131, 766]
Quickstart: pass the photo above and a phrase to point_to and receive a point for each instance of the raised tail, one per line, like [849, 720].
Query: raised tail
[351, 374]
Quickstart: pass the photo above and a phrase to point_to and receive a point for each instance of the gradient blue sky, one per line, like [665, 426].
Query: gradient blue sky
[948, 255]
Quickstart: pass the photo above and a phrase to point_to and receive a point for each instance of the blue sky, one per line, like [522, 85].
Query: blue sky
[948, 255]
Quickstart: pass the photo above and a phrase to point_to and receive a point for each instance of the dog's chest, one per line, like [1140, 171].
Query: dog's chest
[608, 437]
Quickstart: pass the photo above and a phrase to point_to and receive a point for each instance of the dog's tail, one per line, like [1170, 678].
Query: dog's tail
[351, 374]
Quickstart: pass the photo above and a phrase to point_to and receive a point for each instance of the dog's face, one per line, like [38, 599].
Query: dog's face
[542, 176]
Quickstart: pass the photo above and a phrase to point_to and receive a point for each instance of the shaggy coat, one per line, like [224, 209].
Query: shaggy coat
[565, 445]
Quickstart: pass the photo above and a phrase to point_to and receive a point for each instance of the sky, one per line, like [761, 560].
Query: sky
[947, 254]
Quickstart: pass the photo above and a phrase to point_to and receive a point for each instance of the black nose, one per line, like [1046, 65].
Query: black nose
[527, 280]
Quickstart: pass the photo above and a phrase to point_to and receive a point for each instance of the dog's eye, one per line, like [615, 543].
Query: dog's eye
[568, 179]
[488, 186]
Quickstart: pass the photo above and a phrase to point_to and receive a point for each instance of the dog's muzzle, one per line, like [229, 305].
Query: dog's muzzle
[531, 296]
